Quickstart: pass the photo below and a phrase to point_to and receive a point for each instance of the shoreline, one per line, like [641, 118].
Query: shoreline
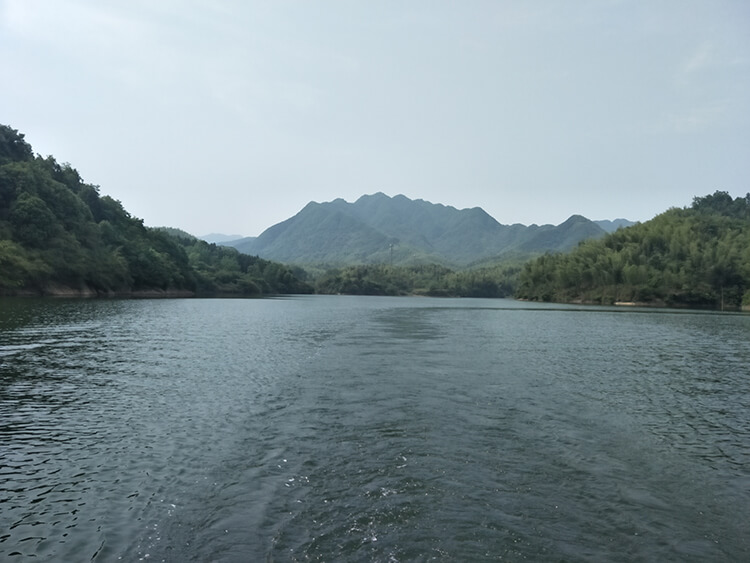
[61, 291]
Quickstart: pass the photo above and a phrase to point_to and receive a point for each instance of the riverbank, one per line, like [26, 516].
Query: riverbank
[88, 292]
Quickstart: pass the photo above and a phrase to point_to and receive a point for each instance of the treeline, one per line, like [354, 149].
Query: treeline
[693, 257]
[224, 270]
[57, 232]
[428, 280]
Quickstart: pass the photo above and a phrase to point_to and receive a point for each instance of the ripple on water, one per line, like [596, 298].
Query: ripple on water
[380, 430]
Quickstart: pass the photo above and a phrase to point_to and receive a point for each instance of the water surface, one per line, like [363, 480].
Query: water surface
[371, 429]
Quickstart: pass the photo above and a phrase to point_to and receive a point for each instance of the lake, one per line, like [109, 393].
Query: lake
[334, 428]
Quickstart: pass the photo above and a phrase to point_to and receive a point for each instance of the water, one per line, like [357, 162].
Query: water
[371, 429]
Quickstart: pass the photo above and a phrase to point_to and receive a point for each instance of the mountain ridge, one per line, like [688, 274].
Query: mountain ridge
[377, 228]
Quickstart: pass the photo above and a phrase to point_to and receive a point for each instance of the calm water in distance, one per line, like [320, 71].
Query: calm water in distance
[382, 429]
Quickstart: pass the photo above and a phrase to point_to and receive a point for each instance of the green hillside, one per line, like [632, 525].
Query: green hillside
[59, 235]
[432, 280]
[696, 257]
[377, 229]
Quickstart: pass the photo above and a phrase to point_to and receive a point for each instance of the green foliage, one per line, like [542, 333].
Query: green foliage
[33, 222]
[696, 257]
[17, 265]
[12, 146]
[721, 203]
[224, 270]
[176, 233]
[56, 230]
[432, 279]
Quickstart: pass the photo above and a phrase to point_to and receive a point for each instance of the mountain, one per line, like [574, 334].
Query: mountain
[563, 237]
[218, 238]
[612, 226]
[382, 229]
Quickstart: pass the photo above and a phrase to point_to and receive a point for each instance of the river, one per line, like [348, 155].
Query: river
[334, 428]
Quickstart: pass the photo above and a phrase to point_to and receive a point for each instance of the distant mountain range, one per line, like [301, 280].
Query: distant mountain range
[217, 238]
[382, 229]
[612, 226]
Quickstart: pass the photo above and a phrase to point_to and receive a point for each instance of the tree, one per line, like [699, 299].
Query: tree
[696, 257]
[32, 221]
[12, 146]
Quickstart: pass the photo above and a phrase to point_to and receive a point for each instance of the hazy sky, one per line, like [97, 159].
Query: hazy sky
[230, 115]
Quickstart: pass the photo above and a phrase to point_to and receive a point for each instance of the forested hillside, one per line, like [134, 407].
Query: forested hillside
[378, 229]
[59, 235]
[224, 270]
[697, 257]
[433, 280]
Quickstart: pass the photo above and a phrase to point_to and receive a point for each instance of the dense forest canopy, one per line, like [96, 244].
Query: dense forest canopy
[433, 280]
[59, 233]
[697, 256]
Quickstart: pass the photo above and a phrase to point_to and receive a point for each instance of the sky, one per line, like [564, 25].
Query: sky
[229, 116]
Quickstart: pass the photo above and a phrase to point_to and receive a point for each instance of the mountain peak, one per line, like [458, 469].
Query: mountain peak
[613, 225]
[575, 218]
[366, 231]
[377, 196]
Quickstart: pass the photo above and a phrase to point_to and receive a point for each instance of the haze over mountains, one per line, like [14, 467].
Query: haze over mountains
[218, 238]
[381, 229]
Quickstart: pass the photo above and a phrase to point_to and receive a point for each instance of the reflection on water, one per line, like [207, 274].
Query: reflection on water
[378, 429]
